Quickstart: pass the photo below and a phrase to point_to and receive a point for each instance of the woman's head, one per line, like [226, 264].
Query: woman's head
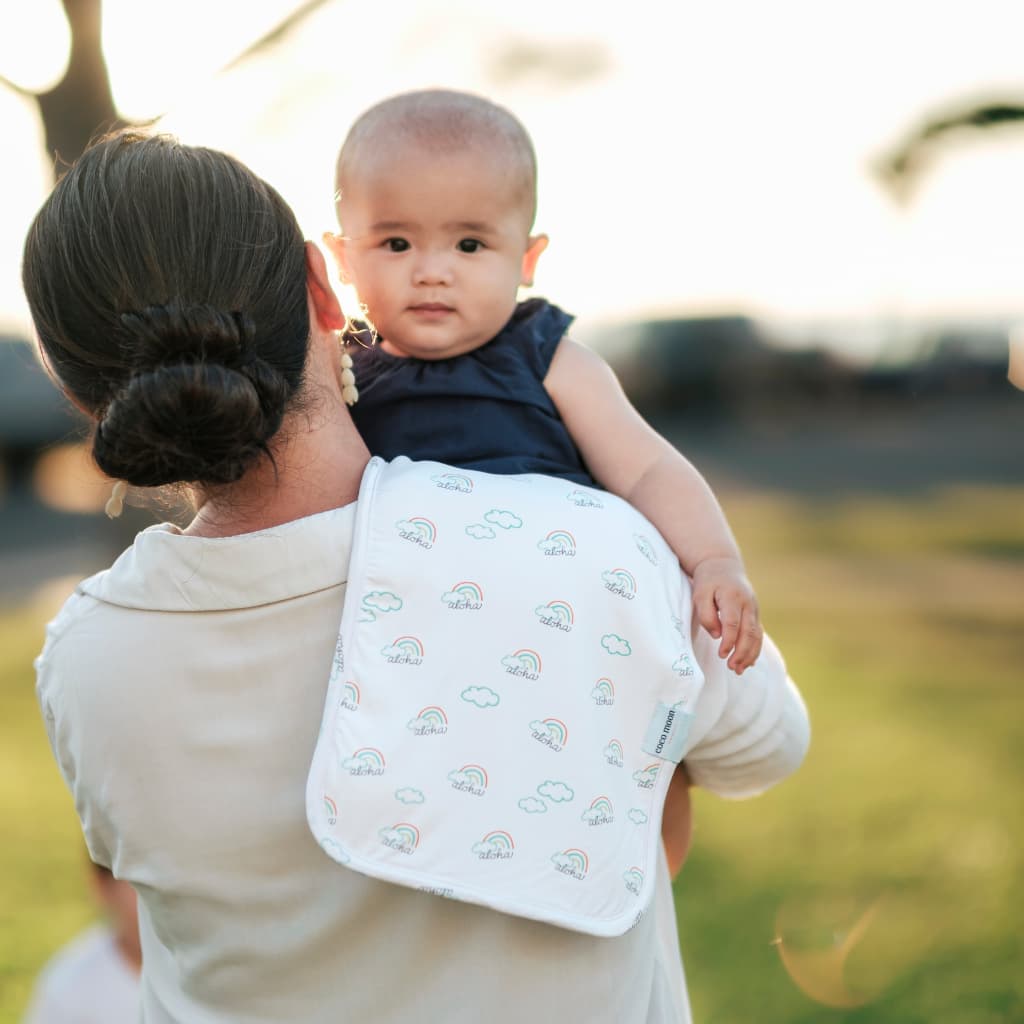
[167, 284]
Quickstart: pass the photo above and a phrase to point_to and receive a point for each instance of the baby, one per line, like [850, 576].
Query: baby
[436, 197]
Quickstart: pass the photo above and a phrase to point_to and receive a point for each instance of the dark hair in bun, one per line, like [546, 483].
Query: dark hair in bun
[167, 285]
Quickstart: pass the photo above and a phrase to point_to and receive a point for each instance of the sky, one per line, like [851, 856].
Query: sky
[694, 158]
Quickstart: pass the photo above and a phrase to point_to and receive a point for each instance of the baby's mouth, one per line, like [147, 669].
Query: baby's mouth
[431, 307]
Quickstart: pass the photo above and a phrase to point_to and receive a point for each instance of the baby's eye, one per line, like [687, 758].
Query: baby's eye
[396, 244]
[470, 245]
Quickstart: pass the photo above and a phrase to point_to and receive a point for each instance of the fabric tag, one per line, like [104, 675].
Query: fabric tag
[667, 733]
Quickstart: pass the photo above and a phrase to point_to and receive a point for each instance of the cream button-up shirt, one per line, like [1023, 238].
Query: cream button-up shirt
[182, 690]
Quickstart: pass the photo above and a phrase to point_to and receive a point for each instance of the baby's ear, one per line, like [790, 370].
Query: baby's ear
[535, 245]
[335, 245]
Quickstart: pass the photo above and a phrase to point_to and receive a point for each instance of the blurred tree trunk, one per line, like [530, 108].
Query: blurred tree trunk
[81, 105]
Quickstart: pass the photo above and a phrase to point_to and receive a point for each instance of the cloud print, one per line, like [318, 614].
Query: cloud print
[583, 496]
[506, 520]
[452, 597]
[598, 694]
[352, 762]
[611, 751]
[481, 696]
[591, 814]
[406, 527]
[683, 665]
[556, 792]
[646, 548]
[563, 861]
[408, 795]
[609, 577]
[614, 644]
[532, 805]
[461, 777]
[382, 601]
[366, 615]
[645, 774]
[637, 816]
[335, 851]
[487, 847]
[480, 532]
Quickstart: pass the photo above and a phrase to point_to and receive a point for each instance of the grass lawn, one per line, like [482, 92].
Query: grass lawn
[882, 883]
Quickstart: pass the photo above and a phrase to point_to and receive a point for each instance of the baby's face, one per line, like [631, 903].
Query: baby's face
[436, 247]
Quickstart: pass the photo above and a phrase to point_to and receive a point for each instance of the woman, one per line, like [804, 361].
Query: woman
[177, 304]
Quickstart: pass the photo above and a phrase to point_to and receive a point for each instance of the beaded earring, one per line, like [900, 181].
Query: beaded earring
[349, 392]
[115, 503]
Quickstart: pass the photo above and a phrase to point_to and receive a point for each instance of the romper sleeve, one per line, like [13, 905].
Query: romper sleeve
[751, 731]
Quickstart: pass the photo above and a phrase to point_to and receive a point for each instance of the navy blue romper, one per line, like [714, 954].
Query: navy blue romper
[486, 409]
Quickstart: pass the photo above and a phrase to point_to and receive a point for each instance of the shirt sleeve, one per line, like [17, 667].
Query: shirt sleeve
[56, 694]
[749, 732]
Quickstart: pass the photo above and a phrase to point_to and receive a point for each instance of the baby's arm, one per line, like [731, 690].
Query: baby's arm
[677, 820]
[632, 460]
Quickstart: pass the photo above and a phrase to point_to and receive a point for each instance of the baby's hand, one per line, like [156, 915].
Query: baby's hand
[725, 605]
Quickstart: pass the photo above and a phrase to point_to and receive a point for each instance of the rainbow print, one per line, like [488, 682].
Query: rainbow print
[500, 839]
[453, 482]
[645, 777]
[552, 732]
[634, 879]
[464, 595]
[497, 845]
[406, 650]
[476, 775]
[558, 542]
[330, 809]
[433, 714]
[603, 692]
[524, 662]
[621, 582]
[401, 836]
[350, 696]
[556, 727]
[558, 614]
[470, 778]
[613, 753]
[365, 761]
[430, 721]
[424, 527]
[572, 862]
[599, 812]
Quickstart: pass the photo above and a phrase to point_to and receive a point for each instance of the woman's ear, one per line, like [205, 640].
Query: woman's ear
[335, 245]
[535, 245]
[325, 303]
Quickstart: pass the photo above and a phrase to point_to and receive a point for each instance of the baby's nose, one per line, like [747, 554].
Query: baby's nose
[433, 269]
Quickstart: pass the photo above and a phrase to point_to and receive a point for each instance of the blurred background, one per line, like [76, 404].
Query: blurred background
[795, 229]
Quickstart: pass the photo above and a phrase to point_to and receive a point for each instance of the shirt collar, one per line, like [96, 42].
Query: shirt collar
[165, 570]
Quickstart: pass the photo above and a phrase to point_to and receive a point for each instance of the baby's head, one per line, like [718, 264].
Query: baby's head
[436, 195]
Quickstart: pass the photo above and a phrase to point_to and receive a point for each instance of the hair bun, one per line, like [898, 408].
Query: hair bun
[178, 333]
[199, 407]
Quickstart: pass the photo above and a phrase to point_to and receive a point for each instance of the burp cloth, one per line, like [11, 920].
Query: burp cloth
[512, 689]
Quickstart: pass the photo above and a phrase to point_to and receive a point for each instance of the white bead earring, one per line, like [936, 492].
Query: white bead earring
[115, 503]
[349, 391]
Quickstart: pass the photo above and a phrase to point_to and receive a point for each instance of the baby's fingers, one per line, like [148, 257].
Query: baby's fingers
[707, 611]
[730, 615]
[750, 636]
